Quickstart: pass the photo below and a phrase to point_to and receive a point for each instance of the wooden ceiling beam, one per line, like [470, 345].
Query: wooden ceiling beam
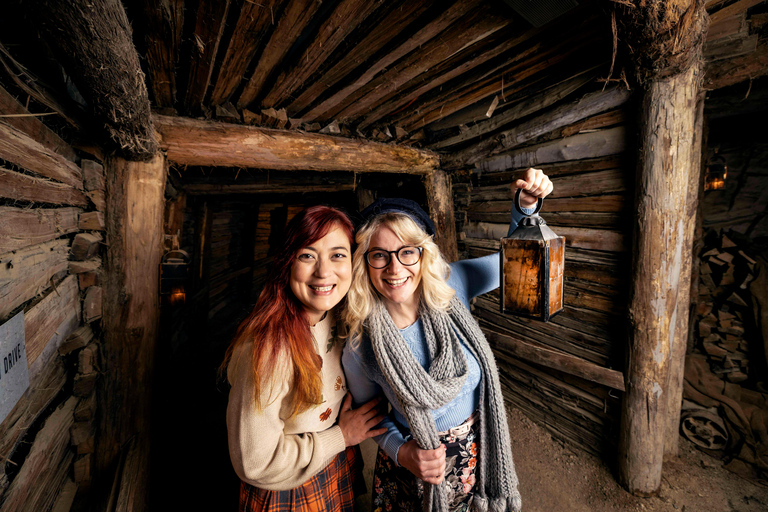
[205, 143]
[469, 30]
[211, 15]
[382, 33]
[292, 23]
[252, 26]
[164, 20]
[432, 29]
[347, 15]
[466, 60]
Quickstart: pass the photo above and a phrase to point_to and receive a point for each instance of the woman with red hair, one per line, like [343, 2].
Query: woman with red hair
[288, 387]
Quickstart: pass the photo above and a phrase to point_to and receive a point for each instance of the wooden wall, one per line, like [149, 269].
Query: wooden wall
[51, 231]
[580, 138]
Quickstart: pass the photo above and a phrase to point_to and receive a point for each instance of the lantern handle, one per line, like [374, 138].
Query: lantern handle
[185, 254]
[519, 208]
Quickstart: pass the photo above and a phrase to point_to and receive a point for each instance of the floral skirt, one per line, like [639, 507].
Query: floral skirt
[331, 490]
[397, 489]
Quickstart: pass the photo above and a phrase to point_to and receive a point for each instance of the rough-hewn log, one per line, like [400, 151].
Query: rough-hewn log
[280, 184]
[584, 145]
[23, 227]
[440, 199]
[589, 105]
[42, 323]
[448, 17]
[666, 39]
[205, 143]
[131, 303]
[164, 20]
[21, 187]
[32, 126]
[252, 26]
[723, 73]
[552, 359]
[99, 56]
[20, 149]
[347, 15]
[209, 26]
[27, 272]
[381, 33]
[291, 24]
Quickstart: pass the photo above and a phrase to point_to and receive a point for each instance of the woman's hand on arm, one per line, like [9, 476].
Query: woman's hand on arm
[357, 425]
[427, 465]
[535, 185]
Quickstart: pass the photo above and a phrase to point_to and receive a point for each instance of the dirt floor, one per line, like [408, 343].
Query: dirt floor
[554, 478]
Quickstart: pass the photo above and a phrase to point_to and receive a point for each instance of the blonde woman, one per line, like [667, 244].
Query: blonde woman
[414, 340]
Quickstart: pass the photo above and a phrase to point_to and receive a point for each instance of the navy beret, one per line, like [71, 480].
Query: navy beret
[400, 205]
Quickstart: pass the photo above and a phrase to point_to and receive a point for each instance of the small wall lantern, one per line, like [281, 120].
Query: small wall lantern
[174, 270]
[717, 171]
[532, 261]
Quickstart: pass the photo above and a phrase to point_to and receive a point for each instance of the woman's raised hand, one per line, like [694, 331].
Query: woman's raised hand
[535, 184]
[428, 465]
[357, 424]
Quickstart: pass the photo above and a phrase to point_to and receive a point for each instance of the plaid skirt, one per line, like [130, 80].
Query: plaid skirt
[331, 490]
[397, 489]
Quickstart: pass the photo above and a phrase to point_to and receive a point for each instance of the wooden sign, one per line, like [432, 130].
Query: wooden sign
[14, 374]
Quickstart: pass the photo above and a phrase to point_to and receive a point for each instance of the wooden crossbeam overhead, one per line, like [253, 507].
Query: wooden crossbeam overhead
[206, 143]
[447, 103]
[472, 28]
[463, 62]
[381, 34]
[164, 21]
[254, 23]
[442, 22]
[211, 15]
[295, 18]
[347, 15]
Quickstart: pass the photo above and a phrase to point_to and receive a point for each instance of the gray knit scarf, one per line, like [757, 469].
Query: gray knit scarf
[420, 391]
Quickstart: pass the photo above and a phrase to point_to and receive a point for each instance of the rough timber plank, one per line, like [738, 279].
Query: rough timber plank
[469, 30]
[21, 187]
[19, 149]
[195, 142]
[42, 321]
[723, 73]
[252, 26]
[295, 18]
[164, 20]
[382, 33]
[209, 26]
[27, 272]
[347, 15]
[22, 227]
[442, 22]
[32, 126]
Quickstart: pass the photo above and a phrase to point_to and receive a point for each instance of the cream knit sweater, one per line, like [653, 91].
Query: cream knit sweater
[268, 448]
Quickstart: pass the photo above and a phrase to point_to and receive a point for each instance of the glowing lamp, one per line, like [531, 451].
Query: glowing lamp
[174, 270]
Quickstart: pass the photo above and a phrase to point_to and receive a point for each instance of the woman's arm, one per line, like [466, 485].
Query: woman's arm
[262, 454]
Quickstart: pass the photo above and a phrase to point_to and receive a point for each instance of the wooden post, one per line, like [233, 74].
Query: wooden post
[440, 201]
[131, 304]
[667, 38]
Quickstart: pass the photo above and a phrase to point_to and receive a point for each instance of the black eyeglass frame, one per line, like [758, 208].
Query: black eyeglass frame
[397, 255]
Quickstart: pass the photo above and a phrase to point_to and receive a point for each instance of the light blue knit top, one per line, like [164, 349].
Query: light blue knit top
[469, 278]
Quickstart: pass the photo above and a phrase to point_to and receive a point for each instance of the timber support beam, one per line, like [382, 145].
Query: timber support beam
[206, 143]
[666, 38]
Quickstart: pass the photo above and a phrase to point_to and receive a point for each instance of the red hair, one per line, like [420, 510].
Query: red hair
[278, 325]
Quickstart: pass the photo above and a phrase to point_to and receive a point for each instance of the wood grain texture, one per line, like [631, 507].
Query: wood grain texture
[217, 144]
[23, 227]
[209, 26]
[21, 187]
[19, 149]
[164, 20]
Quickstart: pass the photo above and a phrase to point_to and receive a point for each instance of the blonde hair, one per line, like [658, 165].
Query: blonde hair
[433, 290]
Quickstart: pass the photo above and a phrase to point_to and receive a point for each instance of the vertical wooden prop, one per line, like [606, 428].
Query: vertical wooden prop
[440, 200]
[667, 37]
[131, 305]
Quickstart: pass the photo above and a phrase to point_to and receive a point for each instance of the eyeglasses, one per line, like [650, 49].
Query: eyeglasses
[407, 255]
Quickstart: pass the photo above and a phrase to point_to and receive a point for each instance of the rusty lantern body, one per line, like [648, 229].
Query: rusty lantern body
[174, 270]
[532, 261]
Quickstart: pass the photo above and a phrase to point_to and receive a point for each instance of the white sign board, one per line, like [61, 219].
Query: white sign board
[14, 374]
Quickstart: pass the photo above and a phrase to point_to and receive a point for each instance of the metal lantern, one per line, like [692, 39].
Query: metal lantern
[532, 261]
[174, 270]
